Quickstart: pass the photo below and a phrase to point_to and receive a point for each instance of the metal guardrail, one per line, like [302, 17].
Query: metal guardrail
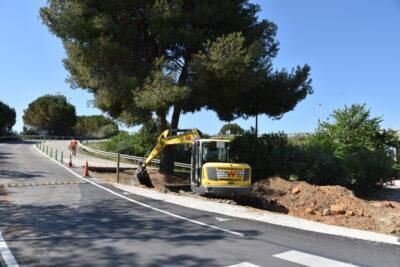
[124, 156]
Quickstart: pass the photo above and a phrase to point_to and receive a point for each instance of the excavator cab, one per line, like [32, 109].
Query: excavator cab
[211, 170]
[213, 174]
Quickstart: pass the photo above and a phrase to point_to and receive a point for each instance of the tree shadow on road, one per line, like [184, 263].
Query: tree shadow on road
[100, 233]
[15, 175]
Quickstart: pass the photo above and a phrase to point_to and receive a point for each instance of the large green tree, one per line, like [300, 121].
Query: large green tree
[232, 128]
[357, 138]
[7, 118]
[146, 58]
[51, 114]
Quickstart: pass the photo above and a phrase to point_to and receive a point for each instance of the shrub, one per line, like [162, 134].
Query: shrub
[273, 155]
[126, 143]
[268, 155]
[316, 165]
[368, 168]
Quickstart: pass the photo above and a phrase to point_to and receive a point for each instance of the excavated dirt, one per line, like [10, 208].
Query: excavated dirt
[333, 205]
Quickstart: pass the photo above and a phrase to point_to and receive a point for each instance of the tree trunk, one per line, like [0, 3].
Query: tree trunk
[168, 156]
[165, 159]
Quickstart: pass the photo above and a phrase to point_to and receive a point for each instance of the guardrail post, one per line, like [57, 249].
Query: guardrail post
[56, 154]
[62, 157]
[47, 150]
[51, 152]
[118, 159]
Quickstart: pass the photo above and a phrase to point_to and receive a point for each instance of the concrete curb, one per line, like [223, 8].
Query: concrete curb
[260, 215]
[251, 213]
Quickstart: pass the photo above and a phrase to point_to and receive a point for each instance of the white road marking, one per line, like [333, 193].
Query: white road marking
[6, 253]
[310, 260]
[244, 264]
[143, 204]
[222, 219]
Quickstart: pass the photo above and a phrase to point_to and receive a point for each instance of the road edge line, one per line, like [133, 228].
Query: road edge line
[6, 253]
[263, 216]
[143, 204]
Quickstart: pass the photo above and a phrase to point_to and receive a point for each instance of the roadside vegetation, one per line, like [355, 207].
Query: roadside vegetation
[351, 150]
[95, 126]
[7, 119]
[54, 115]
[50, 114]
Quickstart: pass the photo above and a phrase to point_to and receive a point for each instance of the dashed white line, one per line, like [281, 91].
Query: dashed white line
[6, 253]
[244, 264]
[222, 219]
[310, 260]
[143, 204]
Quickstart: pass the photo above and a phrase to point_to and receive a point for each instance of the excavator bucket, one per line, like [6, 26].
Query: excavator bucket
[143, 177]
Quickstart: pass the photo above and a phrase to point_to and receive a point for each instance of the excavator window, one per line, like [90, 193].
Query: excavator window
[213, 152]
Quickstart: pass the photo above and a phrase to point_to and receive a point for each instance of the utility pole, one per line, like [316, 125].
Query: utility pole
[257, 125]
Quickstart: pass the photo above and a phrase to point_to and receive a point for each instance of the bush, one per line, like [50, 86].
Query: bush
[126, 143]
[316, 165]
[268, 155]
[141, 143]
[273, 155]
[368, 168]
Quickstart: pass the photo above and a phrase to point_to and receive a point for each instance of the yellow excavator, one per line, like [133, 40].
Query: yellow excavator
[211, 170]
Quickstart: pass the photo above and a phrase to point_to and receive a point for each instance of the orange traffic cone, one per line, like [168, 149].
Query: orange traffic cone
[86, 170]
[70, 161]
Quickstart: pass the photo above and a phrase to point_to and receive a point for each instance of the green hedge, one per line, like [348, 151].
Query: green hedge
[312, 161]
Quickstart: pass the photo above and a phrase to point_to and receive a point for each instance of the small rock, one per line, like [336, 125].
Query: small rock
[326, 212]
[385, 204]
[350, 213]
[361, 213]
[296, 190]
[337, 209]
[310, 211]
[389, 205]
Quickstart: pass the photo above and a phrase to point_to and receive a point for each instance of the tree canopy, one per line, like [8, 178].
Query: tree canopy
[95, 126]
[51, 114]
[358, 140]
[233, 128]
[352, 129]
[142, 58]
[7, 118]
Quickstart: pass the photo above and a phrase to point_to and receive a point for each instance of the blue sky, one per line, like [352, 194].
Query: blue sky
[352, 47]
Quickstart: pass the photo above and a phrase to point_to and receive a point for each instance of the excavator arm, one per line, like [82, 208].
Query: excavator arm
[168, 137]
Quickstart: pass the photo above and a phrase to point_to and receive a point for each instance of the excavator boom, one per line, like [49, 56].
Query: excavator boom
[167, 137]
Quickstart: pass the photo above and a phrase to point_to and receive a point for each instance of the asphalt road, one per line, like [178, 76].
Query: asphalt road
[73, 223]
